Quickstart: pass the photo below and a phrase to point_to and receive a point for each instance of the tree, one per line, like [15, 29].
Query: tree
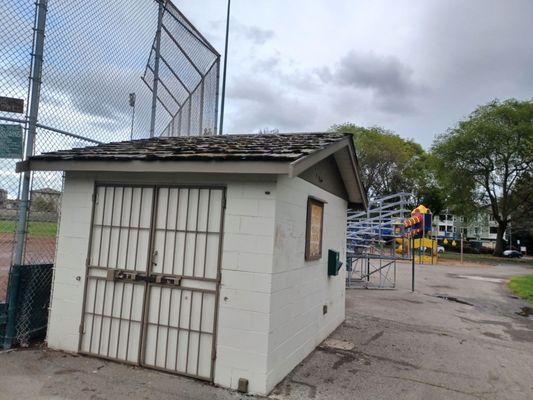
[266, 130]
[391, 164]
[43, 204]
[485, 156]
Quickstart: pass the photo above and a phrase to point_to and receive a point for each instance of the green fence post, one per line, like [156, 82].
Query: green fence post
[13, 289]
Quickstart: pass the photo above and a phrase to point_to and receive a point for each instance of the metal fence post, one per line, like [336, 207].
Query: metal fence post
[412, 263]
[156, 66]
[14, 280]
[32, 113]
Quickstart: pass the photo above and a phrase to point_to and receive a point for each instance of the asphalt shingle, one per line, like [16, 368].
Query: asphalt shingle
[257, 147]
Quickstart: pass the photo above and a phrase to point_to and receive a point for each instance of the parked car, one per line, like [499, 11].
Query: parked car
[440, 249]
[512, 254]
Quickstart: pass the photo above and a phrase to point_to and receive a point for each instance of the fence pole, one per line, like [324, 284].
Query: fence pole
[412, 263]
[156, 66]
[12, 296]
[32, 114]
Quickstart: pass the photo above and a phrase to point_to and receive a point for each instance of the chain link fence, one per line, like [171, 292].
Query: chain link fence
[16, 36]
[97, 85]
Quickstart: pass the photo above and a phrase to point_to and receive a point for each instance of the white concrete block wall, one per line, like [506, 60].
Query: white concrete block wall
[244, 312]
[271, 299]
[69, 269]
[244, 306]
[301, 288]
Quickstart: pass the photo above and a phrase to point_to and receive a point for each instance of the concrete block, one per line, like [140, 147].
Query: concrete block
[255, 282]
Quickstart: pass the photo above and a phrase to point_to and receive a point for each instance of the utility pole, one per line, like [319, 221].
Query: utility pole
[156, 66]
[223, 99]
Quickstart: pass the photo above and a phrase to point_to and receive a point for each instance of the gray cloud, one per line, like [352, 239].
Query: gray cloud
[254, 34]
[389, 80]
[416, 74]
[259, 103]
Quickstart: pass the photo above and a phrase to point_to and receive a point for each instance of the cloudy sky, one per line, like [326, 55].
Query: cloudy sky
[414, 66]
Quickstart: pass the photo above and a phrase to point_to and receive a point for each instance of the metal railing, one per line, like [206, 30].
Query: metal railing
[372, 236]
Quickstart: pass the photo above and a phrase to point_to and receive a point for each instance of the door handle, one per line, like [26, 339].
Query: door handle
[155, 254]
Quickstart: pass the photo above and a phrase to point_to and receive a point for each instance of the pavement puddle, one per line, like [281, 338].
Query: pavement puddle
[481, 278]
[526, 312]
[454, 299]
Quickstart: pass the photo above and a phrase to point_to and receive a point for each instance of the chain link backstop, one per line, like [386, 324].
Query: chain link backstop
[97, 85]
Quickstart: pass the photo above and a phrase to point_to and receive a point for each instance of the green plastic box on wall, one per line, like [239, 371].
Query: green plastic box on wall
[334, 265]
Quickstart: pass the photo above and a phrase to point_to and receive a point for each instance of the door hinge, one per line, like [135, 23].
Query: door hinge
[214, 355]
[224, 202]
[80, 329]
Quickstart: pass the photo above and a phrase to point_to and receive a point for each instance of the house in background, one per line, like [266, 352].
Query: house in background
[45, 200]
[480, 228]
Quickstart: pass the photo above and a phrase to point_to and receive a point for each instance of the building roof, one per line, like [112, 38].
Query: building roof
[258, 147]
[290, 154]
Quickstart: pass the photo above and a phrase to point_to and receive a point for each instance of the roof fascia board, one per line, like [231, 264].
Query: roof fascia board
[238, 167]
[355, 164]
[303, 163]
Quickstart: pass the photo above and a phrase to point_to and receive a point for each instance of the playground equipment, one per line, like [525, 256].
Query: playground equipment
[418, 235]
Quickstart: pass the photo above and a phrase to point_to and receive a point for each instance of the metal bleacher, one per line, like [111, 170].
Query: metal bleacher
[372, 248]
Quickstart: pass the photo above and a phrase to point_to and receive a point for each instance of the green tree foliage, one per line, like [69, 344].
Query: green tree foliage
[484, 158]
[391, 164]
[43, 204]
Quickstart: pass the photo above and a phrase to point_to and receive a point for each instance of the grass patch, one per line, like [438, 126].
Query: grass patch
[35, 228]
[482, 258]
[522, 286]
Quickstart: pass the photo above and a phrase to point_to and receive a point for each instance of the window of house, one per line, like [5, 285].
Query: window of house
[314, 229]
[493, 229]
[441, 228]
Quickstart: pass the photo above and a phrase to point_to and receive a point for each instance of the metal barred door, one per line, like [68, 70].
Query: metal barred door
[153, 277]
[117, 269]
[180, 326]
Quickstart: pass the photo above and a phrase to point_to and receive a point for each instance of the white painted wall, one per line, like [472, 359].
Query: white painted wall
[271, 298]
[69, 269]
[301, 288]
[270, 308]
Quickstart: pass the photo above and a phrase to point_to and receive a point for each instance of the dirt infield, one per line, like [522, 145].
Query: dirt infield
[39, 249]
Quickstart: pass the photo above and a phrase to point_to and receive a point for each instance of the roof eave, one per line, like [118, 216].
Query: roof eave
[303, 163]
[240, 167]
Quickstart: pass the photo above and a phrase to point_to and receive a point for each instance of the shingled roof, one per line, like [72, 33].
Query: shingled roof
[285, 154]
[258, 147]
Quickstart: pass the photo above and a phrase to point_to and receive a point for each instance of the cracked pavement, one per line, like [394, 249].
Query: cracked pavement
[394, 344]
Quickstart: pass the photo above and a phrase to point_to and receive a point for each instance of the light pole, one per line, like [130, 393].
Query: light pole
[157, 48]
[132, 105]
[223, 99]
